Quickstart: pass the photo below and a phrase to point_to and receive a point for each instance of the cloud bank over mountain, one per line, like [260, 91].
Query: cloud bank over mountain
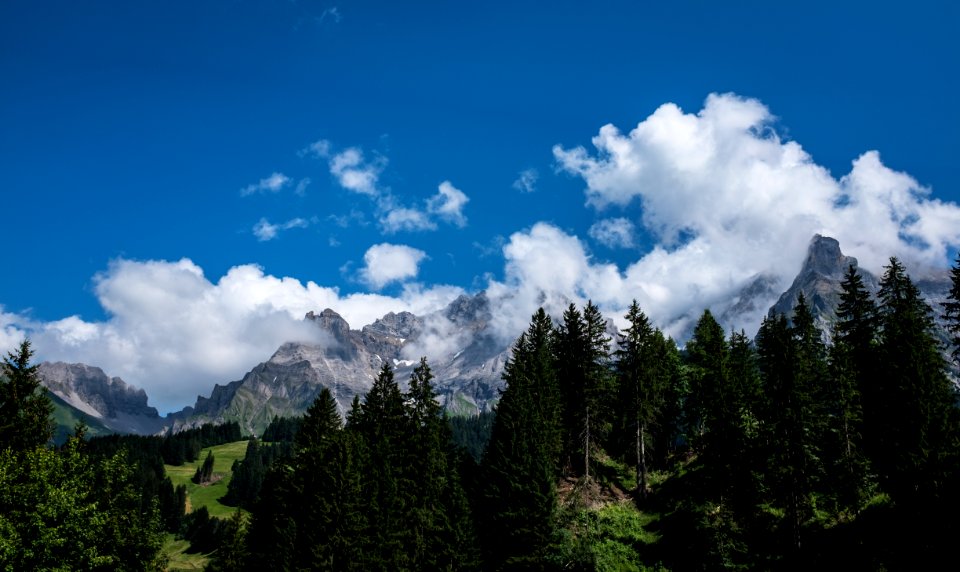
[723, 195]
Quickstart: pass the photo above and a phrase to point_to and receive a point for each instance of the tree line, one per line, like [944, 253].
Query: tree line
[780, 452]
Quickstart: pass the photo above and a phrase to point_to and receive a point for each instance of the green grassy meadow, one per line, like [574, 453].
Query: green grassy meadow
[197, 495]
[178, 559]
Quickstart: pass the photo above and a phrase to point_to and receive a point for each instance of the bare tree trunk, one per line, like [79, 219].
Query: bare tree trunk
[586, 447]
[642, 459]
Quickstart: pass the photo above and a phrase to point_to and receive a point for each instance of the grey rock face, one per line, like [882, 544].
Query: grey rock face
[466, 381]
[119, 406]
[819, 281]
[823, 271]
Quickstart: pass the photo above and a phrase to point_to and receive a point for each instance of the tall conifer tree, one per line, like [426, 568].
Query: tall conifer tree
[911, 409]
[852, 358]
[520, 464]
[641, 377]
[951, 310]
[25, 409]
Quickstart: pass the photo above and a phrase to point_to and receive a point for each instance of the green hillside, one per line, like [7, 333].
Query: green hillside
[66, 417]
[178, 559]
[207, 495]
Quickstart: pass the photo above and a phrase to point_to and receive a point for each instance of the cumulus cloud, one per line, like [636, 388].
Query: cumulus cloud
[613, 232]
[11, 331]
[272, 184]
[728, 201]
[726, 179]
[175, 333]
[448, 204]
[264, 230]
[725, 198]
[385, 263]
[527, 181]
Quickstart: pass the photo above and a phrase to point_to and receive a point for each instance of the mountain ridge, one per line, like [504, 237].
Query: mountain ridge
[466, 356]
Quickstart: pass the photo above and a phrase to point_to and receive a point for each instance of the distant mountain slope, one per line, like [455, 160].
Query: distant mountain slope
[822, 273]
[466, 380]
[66, 417]
[466, 357]
[110, 401]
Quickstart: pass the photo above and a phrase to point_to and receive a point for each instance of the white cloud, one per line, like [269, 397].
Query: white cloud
[385, 263]
[439, 339]
[175, 333]
[725, 177]
[448, 204]
[527, 181]
[264, 230]
[405, 219]
[11, 332]
[271, 184]
[320, 149]
[728, 200]
[355, 173]
[613, 232]
[724, 196]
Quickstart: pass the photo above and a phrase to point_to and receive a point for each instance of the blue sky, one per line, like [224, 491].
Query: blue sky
[380, 148]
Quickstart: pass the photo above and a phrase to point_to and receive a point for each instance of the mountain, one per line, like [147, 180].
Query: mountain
[466, 357]
[109, 401]
[822, 272]
[467, 371]
[819, 280]
[66, 417]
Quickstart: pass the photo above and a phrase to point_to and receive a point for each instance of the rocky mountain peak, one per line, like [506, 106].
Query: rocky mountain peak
[120, 406]
[402, 325]
[825, 259]
[819, 281]
[469, 309]
[331, 322]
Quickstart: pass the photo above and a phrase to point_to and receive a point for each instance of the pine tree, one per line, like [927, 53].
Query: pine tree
[232, 555]
[572, 379]
[310, 512]
[321, 421]
[852, 358]
[520, 465]
[319, 495]
[598, 380]
[707, 354]
[272, 537]
[743, 460]
[951, 310]
[583, 350]
[385, 428]
[640, 373]
[25, 409]
[909, 407]
[441, 525]
[204, 473]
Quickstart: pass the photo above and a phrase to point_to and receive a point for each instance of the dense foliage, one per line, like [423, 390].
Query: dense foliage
[793, 450]
[64, 509]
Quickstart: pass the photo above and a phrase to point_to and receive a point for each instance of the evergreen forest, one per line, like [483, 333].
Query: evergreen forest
[796, 449]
